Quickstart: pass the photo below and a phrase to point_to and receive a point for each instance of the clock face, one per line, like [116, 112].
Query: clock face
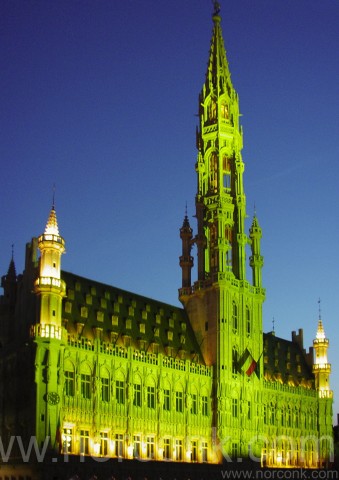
[53, 398]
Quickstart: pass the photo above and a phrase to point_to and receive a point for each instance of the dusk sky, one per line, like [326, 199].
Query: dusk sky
[100, 98]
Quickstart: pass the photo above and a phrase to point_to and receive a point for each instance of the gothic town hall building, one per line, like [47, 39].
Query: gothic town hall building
[104, 372]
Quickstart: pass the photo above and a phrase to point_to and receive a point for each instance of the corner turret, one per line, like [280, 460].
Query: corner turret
[186, 260]
[48, 286]
[256, 259]
[321, 367]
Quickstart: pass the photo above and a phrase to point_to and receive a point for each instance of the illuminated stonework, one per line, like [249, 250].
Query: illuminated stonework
[108, 373]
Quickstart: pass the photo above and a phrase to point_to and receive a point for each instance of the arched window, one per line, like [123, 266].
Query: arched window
[167, 396]
[179, 399]
[120, 388]
[86, 381]
[212, 111]
[224, 111]
[226, 171]
[214, 172]
[235, 360]
[248, 321]
[235, 318]
[213, 240]
[288, 417]
[150, 391]
[69, 385]
[137, 391]
[194, 401]
[105, 385]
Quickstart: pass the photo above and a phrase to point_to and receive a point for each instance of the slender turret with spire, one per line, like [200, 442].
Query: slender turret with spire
[49, 286]
[186, 260]
[256, 259]
[321, 367]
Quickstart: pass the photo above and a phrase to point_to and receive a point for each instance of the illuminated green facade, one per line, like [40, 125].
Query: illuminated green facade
[105, 372]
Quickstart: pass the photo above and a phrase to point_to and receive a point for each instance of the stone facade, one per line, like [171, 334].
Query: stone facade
[104, 372]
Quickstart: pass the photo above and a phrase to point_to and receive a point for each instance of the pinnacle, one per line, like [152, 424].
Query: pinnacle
[320, 331]
[11, 273]
[52, 223]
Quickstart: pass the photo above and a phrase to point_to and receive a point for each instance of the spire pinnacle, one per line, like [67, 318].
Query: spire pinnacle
[11, 273]
[216, 6]
[53, 202]
[186, 223]
[52, 223]
[319, 308]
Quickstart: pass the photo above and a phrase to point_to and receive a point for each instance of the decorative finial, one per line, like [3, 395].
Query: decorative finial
[319, 308]
[255, 210]
[216, 7]
[186, 209]
[273, 323]
[53, 204]
[12, 251]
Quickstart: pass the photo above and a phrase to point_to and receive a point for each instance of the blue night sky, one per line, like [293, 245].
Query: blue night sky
[100, 98]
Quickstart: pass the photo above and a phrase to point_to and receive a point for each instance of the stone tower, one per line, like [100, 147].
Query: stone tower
[322, 370]
[50, 290]
[224, 307]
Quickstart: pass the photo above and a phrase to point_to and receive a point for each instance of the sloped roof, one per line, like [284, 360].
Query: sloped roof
[286, 361]
[90, 305]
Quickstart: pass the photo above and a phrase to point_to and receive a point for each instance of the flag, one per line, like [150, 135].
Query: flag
[248, 364]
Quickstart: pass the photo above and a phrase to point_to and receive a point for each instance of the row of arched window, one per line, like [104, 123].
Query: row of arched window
[141, 395]
[288, 417]
[211, 111]
[235, 319]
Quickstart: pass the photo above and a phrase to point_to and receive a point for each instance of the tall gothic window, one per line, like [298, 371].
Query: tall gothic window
[226, 172]
[167, 448]
[137, 395]
[248, 321]
[105, 385]
[85, 379]
[194, 407]
[120, 391]
[178, 449]
[204, 401]
[84, 442]
[234, 361]
[69, 382]
[167, 399]
[214, 172]
[179, 401]
[235, 318]
[151, 396]
[235, 407]
[224, 111]
[212, 110]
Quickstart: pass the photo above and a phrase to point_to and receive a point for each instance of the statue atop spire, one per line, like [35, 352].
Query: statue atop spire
[216, 7]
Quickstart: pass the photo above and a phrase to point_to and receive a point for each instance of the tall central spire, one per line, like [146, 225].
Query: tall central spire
[221, 301]
[220, 200]
[218, 78]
